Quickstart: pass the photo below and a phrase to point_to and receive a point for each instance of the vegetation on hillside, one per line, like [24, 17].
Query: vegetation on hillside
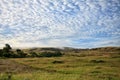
[74, 64]
[8, 52]
[18, 53]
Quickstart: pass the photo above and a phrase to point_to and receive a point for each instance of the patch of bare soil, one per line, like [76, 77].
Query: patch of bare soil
[7, 65]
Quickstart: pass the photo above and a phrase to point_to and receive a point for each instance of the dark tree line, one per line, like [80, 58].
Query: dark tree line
[7, 52]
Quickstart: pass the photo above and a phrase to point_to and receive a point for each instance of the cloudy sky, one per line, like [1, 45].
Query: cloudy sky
[58, 23]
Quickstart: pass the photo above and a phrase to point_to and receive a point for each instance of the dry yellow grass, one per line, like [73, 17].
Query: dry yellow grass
[86, 65]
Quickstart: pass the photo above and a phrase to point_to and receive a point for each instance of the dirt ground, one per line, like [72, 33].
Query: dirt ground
[7, 65]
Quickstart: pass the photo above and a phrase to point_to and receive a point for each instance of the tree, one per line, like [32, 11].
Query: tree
[1, 53]
[7, 50]
[20, 53]
[8, 46]
[33, 54]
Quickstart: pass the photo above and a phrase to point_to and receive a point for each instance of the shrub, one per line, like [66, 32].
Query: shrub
[8, 54]
[33, 54]
[97, 61]
[51, 54]
[7, 51]
[20, 53]
[54, 62]
[1, 53]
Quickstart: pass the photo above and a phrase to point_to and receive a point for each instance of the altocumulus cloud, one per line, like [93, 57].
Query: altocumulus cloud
[58, 23]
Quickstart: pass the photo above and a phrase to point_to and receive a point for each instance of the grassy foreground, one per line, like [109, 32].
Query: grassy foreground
[67, 67]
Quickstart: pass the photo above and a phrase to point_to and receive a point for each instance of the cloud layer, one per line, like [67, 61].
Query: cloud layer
[74, 23]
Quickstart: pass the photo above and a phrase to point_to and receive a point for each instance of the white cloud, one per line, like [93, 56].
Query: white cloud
[52, 23]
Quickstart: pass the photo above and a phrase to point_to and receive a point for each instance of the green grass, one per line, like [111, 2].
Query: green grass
[72, 67]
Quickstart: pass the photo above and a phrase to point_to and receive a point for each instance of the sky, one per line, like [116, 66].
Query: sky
[60, 23]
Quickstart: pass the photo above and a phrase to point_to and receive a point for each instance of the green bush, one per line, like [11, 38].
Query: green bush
[20, 53]
[33, 54]
[97, 61]
[7, 51]
[55, 62]
[1, 53]
[50, 54]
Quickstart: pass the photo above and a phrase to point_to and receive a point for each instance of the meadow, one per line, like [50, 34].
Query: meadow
[81, 65]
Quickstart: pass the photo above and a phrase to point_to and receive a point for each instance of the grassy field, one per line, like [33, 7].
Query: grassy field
[72, 66]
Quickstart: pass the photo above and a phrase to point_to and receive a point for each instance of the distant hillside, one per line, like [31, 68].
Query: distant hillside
[69, 49]
[55, 52]
[107, 49]
[41, 49]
